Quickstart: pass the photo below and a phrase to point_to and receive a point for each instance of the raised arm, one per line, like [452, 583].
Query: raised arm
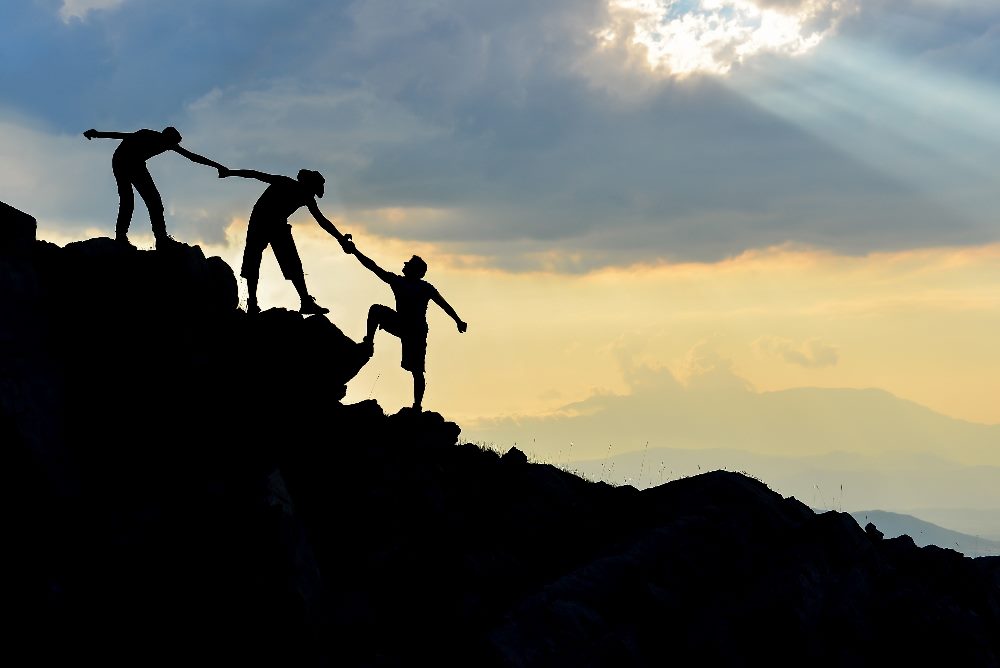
[248, 174]
[440, 301]
[96, 134]
[329, 227]
[370, 265]
[200, 159]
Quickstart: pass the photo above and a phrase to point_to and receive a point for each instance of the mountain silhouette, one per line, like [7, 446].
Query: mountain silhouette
[185, 486]
[964, 498]
[926, 533]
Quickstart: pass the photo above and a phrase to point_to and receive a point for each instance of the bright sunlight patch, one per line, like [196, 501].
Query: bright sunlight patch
[685, 37]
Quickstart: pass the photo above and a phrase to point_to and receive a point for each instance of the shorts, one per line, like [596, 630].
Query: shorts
[280, 239]
[413, 339]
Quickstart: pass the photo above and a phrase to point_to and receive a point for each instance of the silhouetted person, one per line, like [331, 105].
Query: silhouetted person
[129, 166]
[269, 225]
[409, 320]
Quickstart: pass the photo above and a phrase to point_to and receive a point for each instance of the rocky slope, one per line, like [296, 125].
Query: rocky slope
[185, 486]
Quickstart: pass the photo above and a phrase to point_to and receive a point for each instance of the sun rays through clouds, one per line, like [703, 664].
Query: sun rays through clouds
[684, 37]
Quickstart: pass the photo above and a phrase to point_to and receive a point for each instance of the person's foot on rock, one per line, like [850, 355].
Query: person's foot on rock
[123, 239]
[368, 346]
[167, 242]
[310, 307]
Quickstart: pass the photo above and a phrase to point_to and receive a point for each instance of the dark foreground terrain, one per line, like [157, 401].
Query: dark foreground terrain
[184, 487]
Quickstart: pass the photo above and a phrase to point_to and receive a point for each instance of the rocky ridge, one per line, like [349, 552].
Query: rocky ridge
[186, 485]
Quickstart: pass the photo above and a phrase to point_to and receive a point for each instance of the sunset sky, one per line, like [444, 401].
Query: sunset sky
[647, 202]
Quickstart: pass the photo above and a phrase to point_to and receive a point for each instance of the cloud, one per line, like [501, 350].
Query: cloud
[946, 32]
[713, 36]
[66, 182]
[811, 353]
[713, 407]
[524, 188]
[498, 129]
[51, 176]
[78, 9]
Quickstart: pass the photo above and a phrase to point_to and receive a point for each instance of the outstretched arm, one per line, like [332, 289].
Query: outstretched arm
[330, 228]
[96, 134]
[370, 265]
[440, 301]
[247, 174]
[200, 159]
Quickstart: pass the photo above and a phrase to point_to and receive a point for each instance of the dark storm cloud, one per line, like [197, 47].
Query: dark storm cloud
[502, 116]
[147, 60]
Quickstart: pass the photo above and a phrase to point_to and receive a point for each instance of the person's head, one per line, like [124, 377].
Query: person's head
[312, 180]
[415, 267]
[172, 135]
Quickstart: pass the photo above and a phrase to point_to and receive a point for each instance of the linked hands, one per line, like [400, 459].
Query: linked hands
[347, 244]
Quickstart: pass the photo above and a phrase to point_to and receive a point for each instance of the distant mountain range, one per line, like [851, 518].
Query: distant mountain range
[964, 498]
[661, 412]
[924, 533]
[846, 449]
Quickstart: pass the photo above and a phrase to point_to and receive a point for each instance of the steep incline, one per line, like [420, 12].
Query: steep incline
[185, 486]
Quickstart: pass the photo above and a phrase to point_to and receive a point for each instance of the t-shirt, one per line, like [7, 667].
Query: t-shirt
[142, 145]
[279, 201]
[412, 296]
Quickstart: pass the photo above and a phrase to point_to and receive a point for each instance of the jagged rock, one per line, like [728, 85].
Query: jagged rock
[17, 230]
[183, 481]
[514, 457]
[424, 428]
[873, 533]
[283, 344]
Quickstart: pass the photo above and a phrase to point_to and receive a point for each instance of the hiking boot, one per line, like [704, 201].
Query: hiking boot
[167, 242]
[367, 346]
[122, 239]
[310, 307]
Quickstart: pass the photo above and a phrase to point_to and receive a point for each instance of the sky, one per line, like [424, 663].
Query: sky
[711, 205]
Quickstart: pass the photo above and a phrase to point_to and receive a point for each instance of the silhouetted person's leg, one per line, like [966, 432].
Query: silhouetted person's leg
[414, 345]
[379, 316]
[253, 253]
[309, 304]
[419, 385]
[287, 255]
[151, 196]
[252, 306]
[126, 202]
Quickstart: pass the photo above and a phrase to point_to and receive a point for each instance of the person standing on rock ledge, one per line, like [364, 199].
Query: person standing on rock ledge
[269, 225]
[409, 320]
[129, 167]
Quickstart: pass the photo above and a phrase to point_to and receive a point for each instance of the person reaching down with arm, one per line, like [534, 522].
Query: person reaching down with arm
[129, 166]
[269, 226]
